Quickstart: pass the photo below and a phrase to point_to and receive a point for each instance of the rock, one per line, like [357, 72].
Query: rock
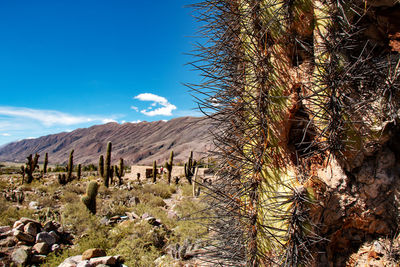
[37, 258]
[108, 260]
[104, 221]
[20, 256]
[24, 237]
[31, 229]
[41, 248]
[71, 261]
[146, 215]
[26, 220]
[17, 223]
[4, 229]
[55, 248]
[93, 253]
[6, 234]
[84, 263]
[55, 235]
[20, 227]
[172, 215]
[50, 226]
[34, 205]
[10, 241]
[45, 237]
[132, 216]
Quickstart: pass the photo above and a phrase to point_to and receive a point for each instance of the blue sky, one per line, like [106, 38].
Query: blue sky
[68, 64]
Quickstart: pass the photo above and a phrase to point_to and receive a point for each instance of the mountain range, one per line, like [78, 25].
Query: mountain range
[136, 143]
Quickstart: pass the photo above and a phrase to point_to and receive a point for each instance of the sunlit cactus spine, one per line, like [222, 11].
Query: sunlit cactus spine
[101, 166]
[190, 167]
[90, 198]
[119, 171]
[46, 161]
[154, 173]
[30, 167]
[169, 165]
[107, 166]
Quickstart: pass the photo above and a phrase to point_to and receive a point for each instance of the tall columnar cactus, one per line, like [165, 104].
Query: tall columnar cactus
[30, 167]
[90, 198]
[70, 165]
[302, 92]
[79, 171]
[154, 173]
[112, 170]
[101, 166]
[23, 173]
[107, 165]
[190, 167]
[169, 165]
[46, 161]
[119, 171]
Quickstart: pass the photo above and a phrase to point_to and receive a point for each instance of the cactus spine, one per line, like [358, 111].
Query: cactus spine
[46, 161]
[31, 165]
[90, 198]
[101, 166]
[190, 167]
[107, 170]
[168, 166]
[119, 172]
[154, 171]
[79, 172]
[70, 165]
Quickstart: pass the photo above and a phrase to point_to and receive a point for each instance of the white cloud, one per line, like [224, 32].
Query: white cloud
[6, 134]
[165, 109]
[135, 108]
[136, 121]
[48, 117]
[108, 120]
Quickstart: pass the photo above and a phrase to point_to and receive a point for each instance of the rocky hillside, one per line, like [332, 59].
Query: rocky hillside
[137, 143]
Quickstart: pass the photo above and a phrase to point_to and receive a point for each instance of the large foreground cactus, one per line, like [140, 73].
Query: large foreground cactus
[305, 97]
[89, 199]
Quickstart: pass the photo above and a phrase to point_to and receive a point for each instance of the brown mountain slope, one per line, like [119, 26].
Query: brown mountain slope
[137, 143]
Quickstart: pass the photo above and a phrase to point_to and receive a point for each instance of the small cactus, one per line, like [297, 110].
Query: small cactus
[101, 166]
[23, 173]
[89, 199]
[190, 167]
[46, 161]
[79, 172]
[119, 171]
[168, 166]
[62, 179]
[70, 166]
[31, 165]
[107, 167]
[154, 171]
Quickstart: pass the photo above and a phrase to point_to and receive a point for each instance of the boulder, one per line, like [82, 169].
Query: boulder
[37, 258]
[21, 236]
[9, 241]
[31, 229]
[108, 260]
[4, 229]
[45, 237]
[20, 256]
[93, 253]
[41, 248]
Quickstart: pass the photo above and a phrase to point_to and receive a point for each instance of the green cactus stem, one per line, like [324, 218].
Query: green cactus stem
[169, 165]
[107, 167]
[89, 199]
[46, 161]
[101, 166]
[154, 172]
[31, 165]
[119, 171]
[70, 166]
[190, 167]
[79, 172]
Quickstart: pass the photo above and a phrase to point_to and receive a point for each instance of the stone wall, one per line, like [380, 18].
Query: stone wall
[176, 171]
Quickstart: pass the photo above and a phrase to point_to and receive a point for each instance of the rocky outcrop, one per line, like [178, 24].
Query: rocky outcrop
[29, 242]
